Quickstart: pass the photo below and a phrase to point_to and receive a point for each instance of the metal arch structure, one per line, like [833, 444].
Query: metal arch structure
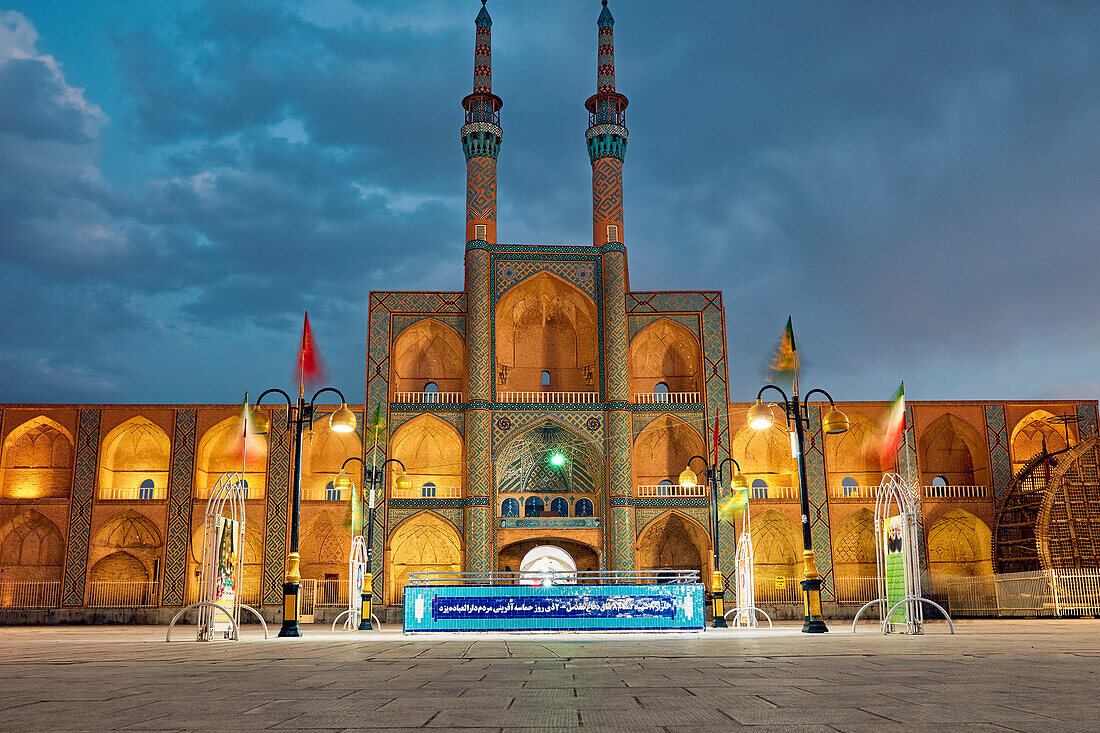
[746, 609]
[1050, 517]
[228, 492]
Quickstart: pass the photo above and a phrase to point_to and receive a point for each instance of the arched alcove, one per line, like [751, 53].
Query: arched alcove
[546, 324]
[1035, 430]
[218, 453]
[325, 546]
[776, 547]
[37, 461]
[422, 543]
[135, 452]
[544, 461]
[855, 453]
[31, 547]
[663, 449]
[665, 352]
[953, 450]
[428, 351]
[431, 450]
[854, 546]
[252, 556]
[766, 455]
[960, 545]
[675, 542]
[323, 455]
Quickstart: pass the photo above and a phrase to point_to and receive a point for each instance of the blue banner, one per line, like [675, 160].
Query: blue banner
[668, 607]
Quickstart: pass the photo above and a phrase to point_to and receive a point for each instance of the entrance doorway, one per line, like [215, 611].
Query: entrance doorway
[543, 560]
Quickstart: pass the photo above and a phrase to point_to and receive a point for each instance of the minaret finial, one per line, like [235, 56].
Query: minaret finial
[606, 139]
[481, 137]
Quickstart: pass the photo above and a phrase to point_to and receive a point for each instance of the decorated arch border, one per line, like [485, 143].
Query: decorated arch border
[637, 322]
[506, 424]
[647, 515]
[402, 321]
[642, 420]
[398, 515]
[180, 482]
[80, 508]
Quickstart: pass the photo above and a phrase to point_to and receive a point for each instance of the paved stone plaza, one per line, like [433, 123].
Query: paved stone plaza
[993, 675]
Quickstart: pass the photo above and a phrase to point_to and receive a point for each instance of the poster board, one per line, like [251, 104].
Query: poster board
[227, 554]
[895, 536]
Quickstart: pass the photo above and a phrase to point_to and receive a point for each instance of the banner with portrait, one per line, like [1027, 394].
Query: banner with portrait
[226, 557]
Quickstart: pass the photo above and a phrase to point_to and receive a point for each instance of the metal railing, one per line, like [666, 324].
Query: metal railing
[331, 593]
[326, 494]
[137, 494]
[855, 591]
[765, 591]
[251, 492]
[1037, 593]
[854, 493]
[428, 398]
[666, 398]
[428, 492]
[583, 398]
[556, 577]
[30, 593]
[955, 492]
[123, 594]
[671, 490]
[773, 493]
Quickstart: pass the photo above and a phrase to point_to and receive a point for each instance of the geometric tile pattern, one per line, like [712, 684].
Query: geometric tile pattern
[180, 481]
[646, 516]
[522, 420]
[909, 469]
[478, 364]
[578, 271]
[275, 523]
[478, 534]
[622, 536]
[1086, 421]
[607, 195]
[457, 321]
[636, 322]
[999, 463]
[818, 499]
[481, 190]
[451, 516]
[616, 388]
[80, 508]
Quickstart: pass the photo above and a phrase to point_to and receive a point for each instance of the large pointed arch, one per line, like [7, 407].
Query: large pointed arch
[854, 546]
[765, 455]
[953, 449]
[217, 455]
[776, 547]
[665, 352]
[31, 547]
[675, 541]
[430, 449]
[324, 454]
[428, 351]
[855, 453]
[663, 449]
[1031, 433]
[960, 544]
[425, 542]
[546, 324]
[37, 461]
[135, 452]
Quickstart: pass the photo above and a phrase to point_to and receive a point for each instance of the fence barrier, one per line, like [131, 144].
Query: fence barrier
[123, 594]
[30, 593]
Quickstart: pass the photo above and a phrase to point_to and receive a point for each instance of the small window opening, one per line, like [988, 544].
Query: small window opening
[849, 486]
[664, 488]
[431, 393]
[427, 491]
[612, 233]
[660, 393]
[145, 491]
[546, 379]
[759, 488]
[479, 232]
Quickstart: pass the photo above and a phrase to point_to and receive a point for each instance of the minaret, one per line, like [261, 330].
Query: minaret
[606, 138]
[481, 137]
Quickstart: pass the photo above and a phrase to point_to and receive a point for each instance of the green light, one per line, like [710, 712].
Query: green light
[557, 459]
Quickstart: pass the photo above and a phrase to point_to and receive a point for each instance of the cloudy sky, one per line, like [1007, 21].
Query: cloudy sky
[916, 183]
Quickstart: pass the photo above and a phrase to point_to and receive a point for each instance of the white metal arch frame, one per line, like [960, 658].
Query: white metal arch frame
[746, 609]
[229, 491]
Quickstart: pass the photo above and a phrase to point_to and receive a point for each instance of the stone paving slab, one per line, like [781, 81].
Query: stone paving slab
[992, 676]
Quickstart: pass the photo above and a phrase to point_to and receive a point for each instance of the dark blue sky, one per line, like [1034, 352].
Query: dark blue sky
[916, 183]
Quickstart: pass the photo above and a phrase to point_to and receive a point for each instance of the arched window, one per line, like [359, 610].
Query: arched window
[546, 379]
[848, 486]
[759, 488]
[509, 508]
[660, 393]
[559, 507]
[532, 507]
[939, 481]
[583, 508]
[427, 491]
[664, 488]
[939, 486]
[431, 393]
[331, 492]
[145, 491]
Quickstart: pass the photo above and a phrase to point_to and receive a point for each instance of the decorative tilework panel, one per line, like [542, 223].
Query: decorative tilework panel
[80, 508]
[275, 524]
[616, 387]
[180, 484]
[819, 503]
[909, 470]
[580, 422]
[451, 515]
[402, 321]
[999, 463]
[621, 538]
[645, 516]
[693, 418]
[636, 322]
[454, 417]
[1086, 421]
[481, 188]
[478, 534]
[478, 348]
[578, 271]
[607, 192]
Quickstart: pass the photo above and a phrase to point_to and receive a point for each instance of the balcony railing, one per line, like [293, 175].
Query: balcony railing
[542, 398]
[139, 494]
[251, 492]
[326, 494]
[666, 398]
[854, 493]
[122, 594]
[671, 490]
[30, 593]
[773, 493]
[428, 398]
[955, 492]
[428, 492]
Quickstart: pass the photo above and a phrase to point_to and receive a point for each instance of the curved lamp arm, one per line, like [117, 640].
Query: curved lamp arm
[289, 402]
[701, 458]
[766, 387]
[318, 393]
[806, 397]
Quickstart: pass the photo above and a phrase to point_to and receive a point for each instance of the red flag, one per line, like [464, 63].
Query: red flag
[310, 370]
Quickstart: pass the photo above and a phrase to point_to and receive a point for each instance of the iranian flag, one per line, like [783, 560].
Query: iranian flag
[894, 428]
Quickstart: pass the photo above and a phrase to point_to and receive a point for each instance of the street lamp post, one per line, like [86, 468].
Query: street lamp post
[713, 475]
[761, 418]
[340, 421]
[373, 476]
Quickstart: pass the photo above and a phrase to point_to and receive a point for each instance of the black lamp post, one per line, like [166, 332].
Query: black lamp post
[713, 478]
[372, 476]
[341, 421]
[761, 418]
